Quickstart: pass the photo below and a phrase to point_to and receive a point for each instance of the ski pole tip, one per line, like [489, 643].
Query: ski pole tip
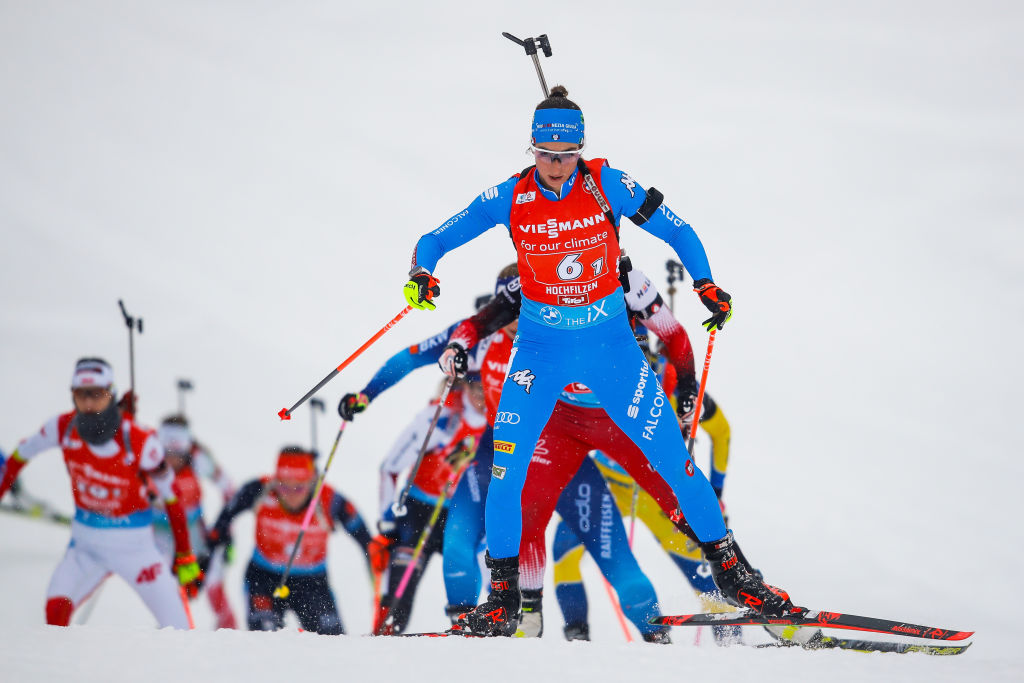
[284, 414]
[281, 592]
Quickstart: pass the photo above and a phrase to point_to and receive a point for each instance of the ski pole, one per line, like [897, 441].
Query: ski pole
[132, 323]
[282, 591]
[385, 612]
[531, 45]
[188, 607]
[286, 413]
[90, 604]
[700, 393]
[618, 610]
[315, 405]
[398, 507]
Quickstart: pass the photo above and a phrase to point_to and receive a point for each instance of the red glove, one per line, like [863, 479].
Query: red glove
[379, 553]
[717, 301]
[10, 471]
[190, 576]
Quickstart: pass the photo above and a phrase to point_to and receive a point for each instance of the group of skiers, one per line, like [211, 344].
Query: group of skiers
[553, 399]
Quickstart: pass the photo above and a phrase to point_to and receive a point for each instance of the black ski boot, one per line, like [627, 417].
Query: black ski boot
[660, 637]
[531, 623]
[576, 631]
[739, 586]
[499, 614]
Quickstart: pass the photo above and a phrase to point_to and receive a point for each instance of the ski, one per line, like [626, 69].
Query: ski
[441, 634]
[815, 618]
[787, 637]
[36, 511]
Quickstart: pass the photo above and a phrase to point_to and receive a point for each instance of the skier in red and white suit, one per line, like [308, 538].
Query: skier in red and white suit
[190, 461]
[110, 459]
[460, 422]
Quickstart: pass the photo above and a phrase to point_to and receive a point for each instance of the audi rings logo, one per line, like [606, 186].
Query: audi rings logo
[507, 418]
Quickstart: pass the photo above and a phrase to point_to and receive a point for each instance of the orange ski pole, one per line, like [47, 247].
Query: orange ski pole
[618, 610]
[286, 413]
[188, 607]
[696, 415]
[700, 393]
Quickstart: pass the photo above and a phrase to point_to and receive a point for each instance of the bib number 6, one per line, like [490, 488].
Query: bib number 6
[569, 268]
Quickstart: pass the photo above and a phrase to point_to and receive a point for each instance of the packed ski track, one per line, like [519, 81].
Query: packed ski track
[252, 179]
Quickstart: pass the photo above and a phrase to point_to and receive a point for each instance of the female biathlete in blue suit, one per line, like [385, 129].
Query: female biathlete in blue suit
[563, 217]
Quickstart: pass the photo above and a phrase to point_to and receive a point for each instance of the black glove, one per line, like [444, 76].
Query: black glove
[351, 404]
[686, 398]
[454, 362]
[717, 301]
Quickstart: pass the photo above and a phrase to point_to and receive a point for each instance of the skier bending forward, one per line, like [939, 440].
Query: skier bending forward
[563, 216]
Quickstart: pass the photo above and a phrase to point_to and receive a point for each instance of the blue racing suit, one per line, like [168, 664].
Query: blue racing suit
[556, 346]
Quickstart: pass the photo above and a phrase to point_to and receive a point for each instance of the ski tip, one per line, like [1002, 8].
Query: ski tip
[284, 414]
[962, 635]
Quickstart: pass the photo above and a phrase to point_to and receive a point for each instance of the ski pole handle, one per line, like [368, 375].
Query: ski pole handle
[700, 393]
[286, 413]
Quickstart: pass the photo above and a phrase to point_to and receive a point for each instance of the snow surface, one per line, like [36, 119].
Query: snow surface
[251, 177]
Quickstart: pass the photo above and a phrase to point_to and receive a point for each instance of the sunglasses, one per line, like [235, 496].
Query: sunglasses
[567, 157]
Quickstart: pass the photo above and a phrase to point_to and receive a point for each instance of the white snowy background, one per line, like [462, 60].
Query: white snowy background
[250, 177]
